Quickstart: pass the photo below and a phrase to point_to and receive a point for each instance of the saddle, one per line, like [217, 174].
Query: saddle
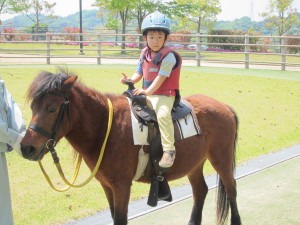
[146, 115]
[159, 189]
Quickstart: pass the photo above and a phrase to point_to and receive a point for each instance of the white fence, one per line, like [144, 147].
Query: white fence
[244, 50]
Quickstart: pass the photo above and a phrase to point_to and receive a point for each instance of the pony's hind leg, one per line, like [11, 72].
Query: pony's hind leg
[227, 192]
[222, 158]
[227, 195]
[235, 217]
[200, 190]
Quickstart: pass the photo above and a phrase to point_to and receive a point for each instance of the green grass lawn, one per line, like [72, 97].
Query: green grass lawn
[267, 103]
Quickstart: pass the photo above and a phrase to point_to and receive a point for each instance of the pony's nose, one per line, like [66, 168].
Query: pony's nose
[28, 151]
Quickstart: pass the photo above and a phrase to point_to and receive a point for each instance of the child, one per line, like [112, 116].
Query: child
[159, 66]
[12, 130]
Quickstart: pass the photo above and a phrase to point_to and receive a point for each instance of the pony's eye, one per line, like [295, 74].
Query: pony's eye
[51, 109]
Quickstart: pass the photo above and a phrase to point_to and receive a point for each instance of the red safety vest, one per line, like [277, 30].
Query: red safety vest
[151, 68]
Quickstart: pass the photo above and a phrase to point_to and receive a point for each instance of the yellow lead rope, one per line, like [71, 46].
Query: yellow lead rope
[79, 159]
[73, 179]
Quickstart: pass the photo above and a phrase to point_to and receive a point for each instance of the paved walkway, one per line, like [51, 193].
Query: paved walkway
[268, 197]
[19, 59]
[139, 210]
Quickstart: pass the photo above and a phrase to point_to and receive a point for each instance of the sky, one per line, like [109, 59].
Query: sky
[231, 9]
[235, 9]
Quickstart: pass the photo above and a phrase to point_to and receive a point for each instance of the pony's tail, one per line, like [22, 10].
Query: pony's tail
[222, 200]
[222, 204]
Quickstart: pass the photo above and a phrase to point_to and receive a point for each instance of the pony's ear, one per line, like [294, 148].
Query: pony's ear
[70, 81]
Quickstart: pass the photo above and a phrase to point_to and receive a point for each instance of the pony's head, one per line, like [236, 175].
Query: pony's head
[49, 95]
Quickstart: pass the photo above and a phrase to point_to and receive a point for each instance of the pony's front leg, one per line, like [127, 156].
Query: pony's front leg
[110, 199]
[121, 200]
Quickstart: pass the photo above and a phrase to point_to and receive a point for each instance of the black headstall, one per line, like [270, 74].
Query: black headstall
[52, 137]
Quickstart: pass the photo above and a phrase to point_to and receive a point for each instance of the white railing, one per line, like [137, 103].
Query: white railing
[252, 50]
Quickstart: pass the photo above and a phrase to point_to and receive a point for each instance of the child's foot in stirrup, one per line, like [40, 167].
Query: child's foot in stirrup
[167, 159]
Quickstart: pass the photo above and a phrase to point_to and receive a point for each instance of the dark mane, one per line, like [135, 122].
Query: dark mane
[47, 82]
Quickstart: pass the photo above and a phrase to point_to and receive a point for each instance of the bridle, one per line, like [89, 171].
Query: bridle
[52, 137]
[51, 143]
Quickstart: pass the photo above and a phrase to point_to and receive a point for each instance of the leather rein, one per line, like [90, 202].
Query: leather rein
[52, 141]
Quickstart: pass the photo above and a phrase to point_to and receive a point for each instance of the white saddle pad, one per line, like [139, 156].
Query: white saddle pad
[183, 128]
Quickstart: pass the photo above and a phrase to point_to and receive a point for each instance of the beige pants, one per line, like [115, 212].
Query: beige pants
[162, 106]
[6, 217]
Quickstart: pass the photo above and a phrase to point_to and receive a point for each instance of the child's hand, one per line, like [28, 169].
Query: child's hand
[139, 92]
[124, 78]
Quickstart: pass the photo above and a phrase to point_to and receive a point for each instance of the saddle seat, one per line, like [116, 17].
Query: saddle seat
[146, 115]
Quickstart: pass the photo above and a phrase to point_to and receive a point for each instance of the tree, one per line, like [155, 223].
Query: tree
[142, 9]
[200, 13]
[8, 6]
[35, 10]
[111, 22]
[121, 7]
[3, 6]
[281, 16]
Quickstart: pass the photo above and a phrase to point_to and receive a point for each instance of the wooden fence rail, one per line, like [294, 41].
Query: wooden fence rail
[252, 50]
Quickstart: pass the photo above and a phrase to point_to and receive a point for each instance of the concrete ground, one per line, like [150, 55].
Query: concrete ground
[269, 197]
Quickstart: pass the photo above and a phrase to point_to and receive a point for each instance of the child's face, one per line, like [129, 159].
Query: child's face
[155, 40]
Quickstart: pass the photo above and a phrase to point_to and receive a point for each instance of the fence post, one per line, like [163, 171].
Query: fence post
[247, 51]
[198, 49]
[283, 52]
[48, 47]
[99, 49]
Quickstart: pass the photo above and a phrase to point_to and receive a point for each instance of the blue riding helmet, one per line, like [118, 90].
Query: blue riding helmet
[156, 20]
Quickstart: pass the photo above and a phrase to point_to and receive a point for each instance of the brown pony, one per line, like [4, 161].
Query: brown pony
[83, 122]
